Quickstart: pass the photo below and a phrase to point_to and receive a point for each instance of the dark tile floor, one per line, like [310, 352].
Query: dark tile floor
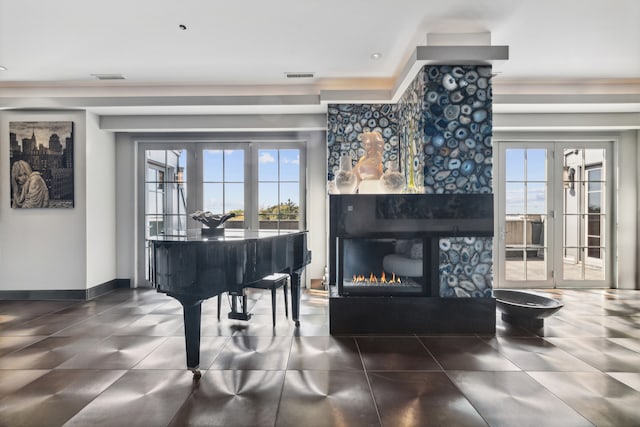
[119, 361]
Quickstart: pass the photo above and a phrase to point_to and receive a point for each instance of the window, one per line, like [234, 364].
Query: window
[223, 184]
[525, 221]
[553, 222]
[166, 209]
[585, 214]
[279, 189]
[262, 183]
[594, 211]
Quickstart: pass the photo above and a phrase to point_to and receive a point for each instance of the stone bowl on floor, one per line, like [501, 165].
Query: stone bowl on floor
[525, 308]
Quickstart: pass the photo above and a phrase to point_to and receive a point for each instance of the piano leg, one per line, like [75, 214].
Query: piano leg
[295, 297]
[192, 310]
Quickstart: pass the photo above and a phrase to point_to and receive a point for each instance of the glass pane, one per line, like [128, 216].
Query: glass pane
[157, 158]
[289, 205]
[536, 264]
[536, 198]
[154, 226]
[593, 273]
[594, 156]
[595, 270]
[572, 226]
[181, 169]
[535, 230]
[152, 203]
[594, 252]
[175, 165]
[176, 199]
[234, 197]
[160, 180]
[571, 268]
[594, 174]
[268, 166]
[594, 223]
[234, 165]
[514, 198]
[268, 222]
[514, 228]
[268, 197]
[594, 203]
[536, 165]
[166, 194]
[569, 178]
[289, 193]
[572, 204]
[212, 165]
[514, 264]
[212, 198]
[514, 162]
[160, 205]
[289, 165]
[175, 225]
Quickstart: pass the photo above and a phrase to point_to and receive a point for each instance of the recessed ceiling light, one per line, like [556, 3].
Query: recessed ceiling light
[3, 68]
[376, 55]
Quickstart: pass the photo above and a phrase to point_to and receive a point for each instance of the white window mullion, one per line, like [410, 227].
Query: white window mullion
[251, 196]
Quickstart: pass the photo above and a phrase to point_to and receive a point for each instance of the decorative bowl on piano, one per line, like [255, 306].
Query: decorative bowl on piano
[214, 222]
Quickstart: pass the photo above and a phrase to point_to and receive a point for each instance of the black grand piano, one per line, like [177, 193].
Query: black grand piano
[194, 268]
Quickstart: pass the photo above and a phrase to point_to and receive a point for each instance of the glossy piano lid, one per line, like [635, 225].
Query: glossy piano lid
[230, 235]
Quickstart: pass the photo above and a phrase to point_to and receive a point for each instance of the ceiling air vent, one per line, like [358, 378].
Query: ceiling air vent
[299, 75]
[108, 76]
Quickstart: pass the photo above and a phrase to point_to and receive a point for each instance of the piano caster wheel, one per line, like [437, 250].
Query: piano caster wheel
[297, 323]
[196, 374]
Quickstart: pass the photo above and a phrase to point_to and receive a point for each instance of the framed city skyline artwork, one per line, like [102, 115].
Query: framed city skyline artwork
[41, 157]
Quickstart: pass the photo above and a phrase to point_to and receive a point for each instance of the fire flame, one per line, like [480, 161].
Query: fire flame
[361, 278]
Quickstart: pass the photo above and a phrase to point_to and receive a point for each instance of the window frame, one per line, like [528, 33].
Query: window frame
[195, 182]
[556, 228]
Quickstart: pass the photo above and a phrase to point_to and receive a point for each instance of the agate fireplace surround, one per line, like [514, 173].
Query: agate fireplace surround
[384, 265]
[397, 236]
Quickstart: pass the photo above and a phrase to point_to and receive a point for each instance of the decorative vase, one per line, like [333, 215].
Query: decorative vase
[345, 180]
[392, 181]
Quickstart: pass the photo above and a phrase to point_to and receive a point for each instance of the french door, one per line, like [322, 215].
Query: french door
[263, 184]
[554, 216]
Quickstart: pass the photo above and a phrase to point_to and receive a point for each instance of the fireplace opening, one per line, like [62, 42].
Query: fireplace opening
[382, 266]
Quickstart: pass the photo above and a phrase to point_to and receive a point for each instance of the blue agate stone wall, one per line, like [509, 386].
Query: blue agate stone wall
[411, 127]
[465, 266]
[457, 119]
[441, 132]
[345, 124]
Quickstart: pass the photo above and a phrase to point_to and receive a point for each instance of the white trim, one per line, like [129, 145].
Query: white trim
[194, 146]
[560, 140]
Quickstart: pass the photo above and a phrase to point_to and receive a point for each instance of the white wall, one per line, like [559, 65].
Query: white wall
[126, 154]
[634, 137]
[52, 249]
[43, 249]
[624, 239]
[127, 202]
[316, 204]
[101, 203]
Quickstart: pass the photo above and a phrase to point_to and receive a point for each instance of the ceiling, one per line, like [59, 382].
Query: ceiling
[232, 57]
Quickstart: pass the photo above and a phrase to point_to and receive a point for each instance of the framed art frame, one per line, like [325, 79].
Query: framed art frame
[42, 164]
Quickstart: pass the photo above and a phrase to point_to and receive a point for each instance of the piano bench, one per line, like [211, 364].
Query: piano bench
[271, 282]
